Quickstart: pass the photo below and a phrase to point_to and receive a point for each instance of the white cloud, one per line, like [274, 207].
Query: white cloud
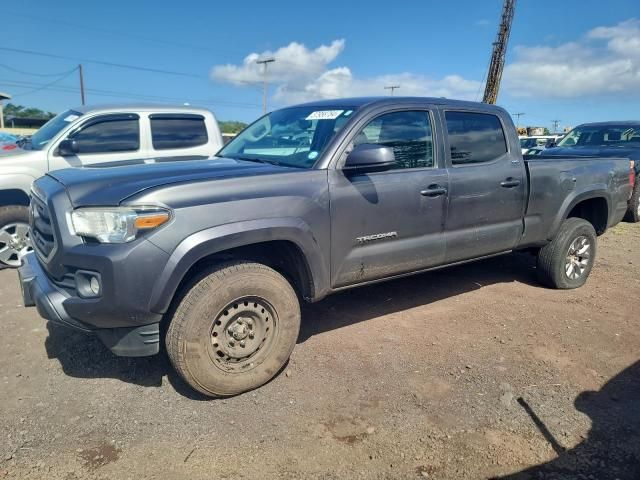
[605, 61]
[301, 74]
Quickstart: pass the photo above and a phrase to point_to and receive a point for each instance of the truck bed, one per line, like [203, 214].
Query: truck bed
[570, 180]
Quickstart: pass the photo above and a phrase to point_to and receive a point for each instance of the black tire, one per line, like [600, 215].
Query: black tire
[633, 212]
[245, 304]
[9, 216]
[554, 268]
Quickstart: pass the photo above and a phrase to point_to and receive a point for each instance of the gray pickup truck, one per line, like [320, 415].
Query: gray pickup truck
[307, 201]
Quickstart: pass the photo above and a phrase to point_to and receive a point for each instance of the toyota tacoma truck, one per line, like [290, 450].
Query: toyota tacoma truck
[94, 136]
[307, 201]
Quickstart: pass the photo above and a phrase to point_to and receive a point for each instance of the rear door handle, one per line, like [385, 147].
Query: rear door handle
[433, 191]
[510, 183]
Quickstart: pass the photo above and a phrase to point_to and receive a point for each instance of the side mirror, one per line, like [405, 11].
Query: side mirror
[369, 157]
[68, 148]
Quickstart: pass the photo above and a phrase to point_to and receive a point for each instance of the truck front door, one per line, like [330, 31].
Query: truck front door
[487, 186]
[389, 222]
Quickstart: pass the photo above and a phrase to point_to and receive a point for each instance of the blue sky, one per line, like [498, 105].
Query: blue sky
[575, 61]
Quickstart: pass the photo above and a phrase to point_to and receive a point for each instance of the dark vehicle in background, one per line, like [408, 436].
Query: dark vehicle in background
[307, 201]
[606, 139]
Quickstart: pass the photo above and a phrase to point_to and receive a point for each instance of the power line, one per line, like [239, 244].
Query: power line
[46, 85]
[118, 94]
[100, 62]
[37, 74]
[93, 29]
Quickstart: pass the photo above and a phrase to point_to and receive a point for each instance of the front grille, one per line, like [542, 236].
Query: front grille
[42, 235]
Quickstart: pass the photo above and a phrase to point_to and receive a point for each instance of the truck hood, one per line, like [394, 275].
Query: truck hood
[90, 186]
[632, 153]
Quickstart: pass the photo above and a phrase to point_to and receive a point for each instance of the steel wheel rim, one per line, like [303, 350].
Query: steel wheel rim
[578, 257]
[14, 243]
[243, 333]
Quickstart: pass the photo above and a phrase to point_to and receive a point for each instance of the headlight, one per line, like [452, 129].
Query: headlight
[117, 224]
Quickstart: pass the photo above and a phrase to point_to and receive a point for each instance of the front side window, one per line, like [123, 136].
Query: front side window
[177, 131]
[408, 133]
[475, 137]
[292, 137]
[109, 136]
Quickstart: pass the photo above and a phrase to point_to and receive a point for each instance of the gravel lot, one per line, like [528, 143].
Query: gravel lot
[470, 372]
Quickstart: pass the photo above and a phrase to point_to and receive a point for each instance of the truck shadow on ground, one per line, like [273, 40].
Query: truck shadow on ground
[612, 447]
[84, 356]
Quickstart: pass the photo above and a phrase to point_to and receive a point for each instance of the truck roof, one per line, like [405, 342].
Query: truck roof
[383, 101]
[140, 107]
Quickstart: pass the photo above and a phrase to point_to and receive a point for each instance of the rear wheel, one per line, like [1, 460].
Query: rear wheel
[234, 329]
[14, 235]
[567, 260]
[633, 213]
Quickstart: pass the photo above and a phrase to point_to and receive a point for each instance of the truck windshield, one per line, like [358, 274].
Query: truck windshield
[292, 137]
[602, 135]
[50, 129]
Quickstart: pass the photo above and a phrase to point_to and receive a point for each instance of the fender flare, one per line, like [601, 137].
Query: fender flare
[571, 201]
[238, 234]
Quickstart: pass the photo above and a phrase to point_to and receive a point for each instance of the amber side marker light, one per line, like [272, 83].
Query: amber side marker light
[151, 221]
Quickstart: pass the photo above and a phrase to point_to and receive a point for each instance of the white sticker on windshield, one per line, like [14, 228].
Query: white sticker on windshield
[71, 118]
[312, 155]
[324, 115]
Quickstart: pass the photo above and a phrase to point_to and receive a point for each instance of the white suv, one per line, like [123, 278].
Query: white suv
[96, 136]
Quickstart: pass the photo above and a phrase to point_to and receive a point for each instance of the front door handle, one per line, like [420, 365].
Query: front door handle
[510, 183]
[433, 191]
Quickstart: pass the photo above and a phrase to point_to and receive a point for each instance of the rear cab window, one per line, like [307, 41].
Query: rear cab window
[474, 137]
[171, 131]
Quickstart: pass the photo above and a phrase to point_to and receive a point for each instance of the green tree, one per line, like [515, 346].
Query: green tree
[231, 126]
[20, 111]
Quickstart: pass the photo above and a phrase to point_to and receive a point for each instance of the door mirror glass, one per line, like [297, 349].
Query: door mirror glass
[368, 157]
[68, 148]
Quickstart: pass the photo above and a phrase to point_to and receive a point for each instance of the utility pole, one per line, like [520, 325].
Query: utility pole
[555, 125]
[518, 115]
[265, 82]
[81, 84]
[392, 88]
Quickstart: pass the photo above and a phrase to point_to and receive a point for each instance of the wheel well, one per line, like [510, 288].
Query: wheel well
[593, 210]
[13, 197]
[283, 256]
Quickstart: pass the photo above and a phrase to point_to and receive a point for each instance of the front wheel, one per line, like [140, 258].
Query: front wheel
[14, 235]
[234, 329]
[567, 260]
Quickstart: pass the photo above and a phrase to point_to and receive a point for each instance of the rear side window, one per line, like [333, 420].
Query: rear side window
[109, 135]
[177, 131]
[475, 137]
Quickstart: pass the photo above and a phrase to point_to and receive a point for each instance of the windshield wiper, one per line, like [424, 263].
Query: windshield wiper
[255, 159]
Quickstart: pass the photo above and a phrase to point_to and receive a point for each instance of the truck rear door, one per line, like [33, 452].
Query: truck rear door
[487, 184]
[390, 222]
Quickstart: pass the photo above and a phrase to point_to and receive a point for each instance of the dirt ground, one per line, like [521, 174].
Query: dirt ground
[471, 372]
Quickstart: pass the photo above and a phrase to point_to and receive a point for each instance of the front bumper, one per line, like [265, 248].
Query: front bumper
[50, 301]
